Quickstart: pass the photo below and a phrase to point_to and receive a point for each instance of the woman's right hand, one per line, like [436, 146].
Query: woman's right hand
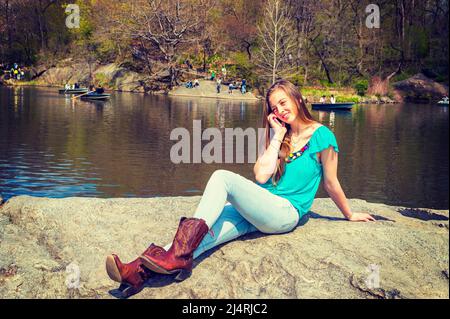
[279, 128]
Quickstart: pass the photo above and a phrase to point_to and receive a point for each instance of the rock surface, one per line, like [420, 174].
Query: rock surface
[420, 88]
[110, 76]
[43, 242]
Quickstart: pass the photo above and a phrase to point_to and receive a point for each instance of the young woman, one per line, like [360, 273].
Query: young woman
[288, 175]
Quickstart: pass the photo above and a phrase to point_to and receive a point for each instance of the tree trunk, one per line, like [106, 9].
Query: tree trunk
[41, 28]
[8, 25]
[247, 49]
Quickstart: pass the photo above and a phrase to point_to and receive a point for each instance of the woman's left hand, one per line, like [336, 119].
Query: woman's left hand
[361, 217]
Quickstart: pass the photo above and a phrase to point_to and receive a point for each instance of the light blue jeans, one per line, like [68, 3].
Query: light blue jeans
[250, 208]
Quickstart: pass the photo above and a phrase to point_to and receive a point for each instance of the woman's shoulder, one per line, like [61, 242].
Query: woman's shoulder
[322, 138]
[322, 130]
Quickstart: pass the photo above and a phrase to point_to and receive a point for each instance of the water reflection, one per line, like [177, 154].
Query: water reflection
[56, 146]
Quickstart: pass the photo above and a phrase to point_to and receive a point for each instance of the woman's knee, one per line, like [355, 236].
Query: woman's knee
[221, 174]
[277, 227]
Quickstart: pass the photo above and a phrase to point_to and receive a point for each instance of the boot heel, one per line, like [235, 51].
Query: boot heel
[183, 274]
[126, 291]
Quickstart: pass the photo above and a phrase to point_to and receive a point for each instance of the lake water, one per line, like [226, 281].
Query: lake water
[54, 147]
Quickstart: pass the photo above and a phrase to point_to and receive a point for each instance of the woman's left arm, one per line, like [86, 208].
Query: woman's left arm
[329, 159]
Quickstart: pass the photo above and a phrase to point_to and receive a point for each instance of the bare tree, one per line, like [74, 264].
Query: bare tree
[303, 15]
[168, 26]
[275, 33]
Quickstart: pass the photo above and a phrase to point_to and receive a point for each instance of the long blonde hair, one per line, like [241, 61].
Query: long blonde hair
[294, 94]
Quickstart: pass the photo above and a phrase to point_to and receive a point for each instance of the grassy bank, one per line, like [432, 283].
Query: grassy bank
[313, 94]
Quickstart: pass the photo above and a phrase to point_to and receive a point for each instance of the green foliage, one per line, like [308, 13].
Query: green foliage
[102, 80]
[401, 76]
[361, 87]
[419, 41]
[442, 78]
[214, 61]
[347, 98]
[298, 79]
[243, 68]
[327, 84]
[314, 94]
[107, 50]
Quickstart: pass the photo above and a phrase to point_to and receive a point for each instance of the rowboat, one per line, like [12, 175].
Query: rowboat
[73, 91]
[444, 101]
[96, 96]
[333, 106]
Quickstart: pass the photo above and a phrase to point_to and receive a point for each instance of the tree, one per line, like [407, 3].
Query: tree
[168, 26]
[238, 22]
[275, 34]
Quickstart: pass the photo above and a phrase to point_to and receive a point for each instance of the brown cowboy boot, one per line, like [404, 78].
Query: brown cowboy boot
[179, 258]
[133, 275]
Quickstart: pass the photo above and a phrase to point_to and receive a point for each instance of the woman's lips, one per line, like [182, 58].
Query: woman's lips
[284, 117]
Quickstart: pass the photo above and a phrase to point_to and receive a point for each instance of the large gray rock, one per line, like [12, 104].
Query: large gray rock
[420, 88]
[68, 73]
[117, 78]
[110, 76]
[328, 257]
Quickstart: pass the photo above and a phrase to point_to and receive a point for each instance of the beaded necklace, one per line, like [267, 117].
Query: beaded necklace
[292, 156]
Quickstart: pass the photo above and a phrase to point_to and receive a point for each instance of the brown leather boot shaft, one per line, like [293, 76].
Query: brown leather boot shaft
[188, 237]
[179, 257]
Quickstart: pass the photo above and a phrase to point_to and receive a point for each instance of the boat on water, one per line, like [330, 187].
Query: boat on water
[333, 106]
[444, 101]
[94, 96]
[73, 91]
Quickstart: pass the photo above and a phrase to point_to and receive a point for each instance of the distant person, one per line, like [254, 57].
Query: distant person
[196, 83]
[230, 88]
[67, 86]
[100, 90]
[213, 75]
[322, 99]
[332, 99]
[218, 84]
[189, 85]
[243, 86]
[77, 86]
[224, 72]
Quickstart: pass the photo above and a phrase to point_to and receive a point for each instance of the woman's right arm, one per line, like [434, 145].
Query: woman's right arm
[266, 164]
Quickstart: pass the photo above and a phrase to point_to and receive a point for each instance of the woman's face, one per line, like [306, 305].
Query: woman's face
[283, 106]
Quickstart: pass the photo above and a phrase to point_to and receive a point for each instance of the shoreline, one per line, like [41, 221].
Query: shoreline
[41, 237]
[170, 93]
[365, 100]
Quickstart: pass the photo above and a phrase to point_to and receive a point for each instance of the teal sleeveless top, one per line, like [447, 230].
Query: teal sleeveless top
[302, 175]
